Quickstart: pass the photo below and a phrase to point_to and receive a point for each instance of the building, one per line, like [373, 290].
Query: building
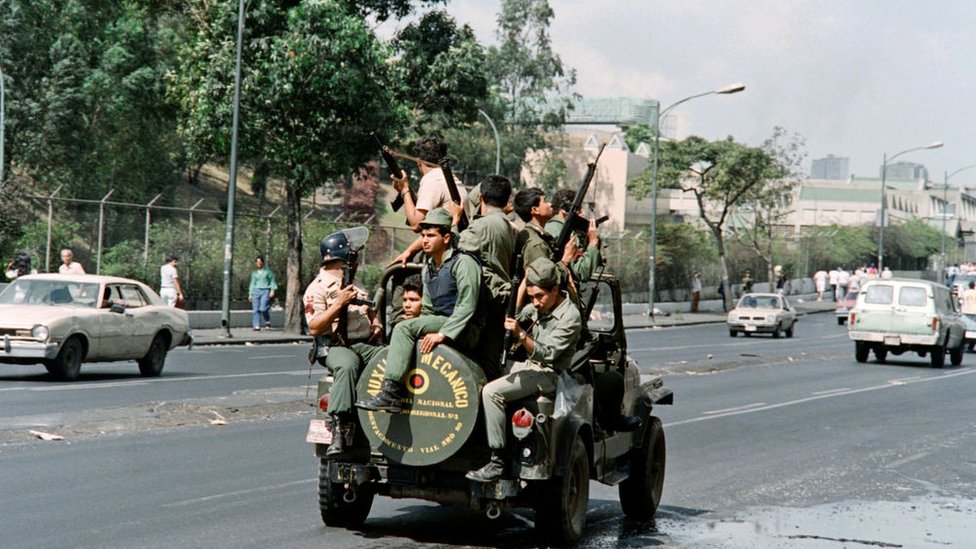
[905, 170]
[830, 167]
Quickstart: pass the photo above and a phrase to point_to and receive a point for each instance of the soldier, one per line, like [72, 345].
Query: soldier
[433, 192]
[589, 261]
[534, 242]
[549, 345]
[452, 285]
[324, 300]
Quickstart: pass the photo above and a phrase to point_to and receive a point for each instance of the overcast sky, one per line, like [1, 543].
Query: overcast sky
[856, 78]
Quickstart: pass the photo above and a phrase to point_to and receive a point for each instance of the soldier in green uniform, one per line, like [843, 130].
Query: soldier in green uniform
[452, 285]
[533, 240]
[324, 300]
[588, 262]
[549, 345]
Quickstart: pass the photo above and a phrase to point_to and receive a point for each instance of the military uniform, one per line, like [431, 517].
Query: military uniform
[584, 266]
[345, 363]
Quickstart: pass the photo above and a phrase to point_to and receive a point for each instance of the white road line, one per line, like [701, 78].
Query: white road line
[271, 356]
[96, 385]
[820, 397]
[240, 493]
[719, 345]
[904, 461]
[737, 408]
[831, 391]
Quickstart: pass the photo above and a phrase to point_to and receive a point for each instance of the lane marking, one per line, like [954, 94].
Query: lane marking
[270, 356]
[257, 490]
[804, 400]
[111, 384]
[743, 343]
[737, 408]
[831, 391]
[907, 460]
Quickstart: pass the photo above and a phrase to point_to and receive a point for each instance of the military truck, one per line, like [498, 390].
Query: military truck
[559, 444]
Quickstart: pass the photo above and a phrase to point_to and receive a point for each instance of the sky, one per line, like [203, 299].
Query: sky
[855, 78]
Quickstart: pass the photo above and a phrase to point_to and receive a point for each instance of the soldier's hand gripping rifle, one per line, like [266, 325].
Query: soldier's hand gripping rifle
[512, 304]
[395, 171]
[572, 216]
[455, 194]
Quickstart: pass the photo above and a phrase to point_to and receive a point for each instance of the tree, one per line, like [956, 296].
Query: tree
[721, 175]
[315, 82]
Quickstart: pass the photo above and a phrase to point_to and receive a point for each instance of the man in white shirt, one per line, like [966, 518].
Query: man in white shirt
[843, 280]
[68, 266]
[169, 282]
[433, 191]
[820, 281]
[832, 280]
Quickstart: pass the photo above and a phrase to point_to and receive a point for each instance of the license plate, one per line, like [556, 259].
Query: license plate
[318, 432]
[750, 328]
[892, 340]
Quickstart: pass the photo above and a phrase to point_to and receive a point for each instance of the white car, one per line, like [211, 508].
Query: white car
[762, 313]
[63, 320]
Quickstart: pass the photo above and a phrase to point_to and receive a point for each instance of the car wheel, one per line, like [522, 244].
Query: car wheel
[733, 333]
[881, 354]
[861, 351]
[955, 355]
[789, 331]
[841, 321]
[336, 511]
[151, 365]
[67, 365]
[938, 353]
[776, 331]
[560, 506]
[640, 494]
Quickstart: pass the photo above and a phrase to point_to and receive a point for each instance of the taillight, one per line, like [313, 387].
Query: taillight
[324, 402]
[935, 324]
[522, 421]
[850, 319]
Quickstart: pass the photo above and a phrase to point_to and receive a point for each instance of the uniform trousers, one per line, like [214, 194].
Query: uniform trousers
[523, 380]
[403, 341]
[345, 364]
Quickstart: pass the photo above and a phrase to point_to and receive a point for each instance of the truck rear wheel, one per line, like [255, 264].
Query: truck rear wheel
[561, 504]
[861, 351]
[938, 356]
[640, 494]
[333, 505]
[955, 355]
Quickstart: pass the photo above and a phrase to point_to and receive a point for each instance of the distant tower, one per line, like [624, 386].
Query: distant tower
[906, 170]
[830, 167]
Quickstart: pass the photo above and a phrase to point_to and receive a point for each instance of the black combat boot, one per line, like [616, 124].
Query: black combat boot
[387, 400]
[493, 470]
[343, 431]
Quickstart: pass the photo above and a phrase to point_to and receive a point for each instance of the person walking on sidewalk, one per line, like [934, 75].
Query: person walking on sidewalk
[260, 293]
[169, 282]
[696, 289]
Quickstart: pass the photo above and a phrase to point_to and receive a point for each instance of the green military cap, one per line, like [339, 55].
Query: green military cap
[542, 273]
[438, 217]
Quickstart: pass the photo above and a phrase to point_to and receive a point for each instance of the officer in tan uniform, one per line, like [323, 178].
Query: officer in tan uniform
[324, 300]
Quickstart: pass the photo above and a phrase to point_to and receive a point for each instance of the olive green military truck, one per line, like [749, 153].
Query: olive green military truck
[559, 444]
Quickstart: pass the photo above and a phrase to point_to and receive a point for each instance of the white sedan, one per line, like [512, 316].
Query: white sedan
[64, 320]
[762, 313]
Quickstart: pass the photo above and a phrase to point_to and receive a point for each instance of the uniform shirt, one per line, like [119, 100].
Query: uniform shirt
[555, 333]
[535, 244]
[492, 239]
[166, 275]
[467, 276]
[433, 191]
[74, 268]
[584, 266]
[262, 279]
[322, 293]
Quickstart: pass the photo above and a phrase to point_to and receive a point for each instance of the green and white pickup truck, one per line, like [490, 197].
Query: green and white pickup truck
[898, 315]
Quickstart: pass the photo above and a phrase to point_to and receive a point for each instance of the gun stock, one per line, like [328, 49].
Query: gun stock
[455, 194]
[571, 218]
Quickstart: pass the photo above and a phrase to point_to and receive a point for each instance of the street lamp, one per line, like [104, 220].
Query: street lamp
[498, 144]
[1, 127]
[945, 203]
[732, 88]
[884, 172]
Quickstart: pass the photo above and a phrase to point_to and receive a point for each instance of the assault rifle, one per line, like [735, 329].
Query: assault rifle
[573, 218]
[453, 190]
[512, 304]
[394, 168]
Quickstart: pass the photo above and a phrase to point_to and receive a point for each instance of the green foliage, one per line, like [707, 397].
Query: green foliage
[641, 133]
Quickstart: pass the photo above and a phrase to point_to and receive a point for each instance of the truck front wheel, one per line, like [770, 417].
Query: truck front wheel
[560, 506]
[334, 506]
[640, 494]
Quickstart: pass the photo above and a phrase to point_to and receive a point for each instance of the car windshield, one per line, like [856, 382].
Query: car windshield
[50, 292]
[759, 302]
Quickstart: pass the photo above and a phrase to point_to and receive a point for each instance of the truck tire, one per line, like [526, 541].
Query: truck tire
[335, 510]
[938, 353]
[841, 321]
[881, 354]
[640, 494]
[861, 351]
[67, 365]
[561, 503]
[151, 365]
[955, 355]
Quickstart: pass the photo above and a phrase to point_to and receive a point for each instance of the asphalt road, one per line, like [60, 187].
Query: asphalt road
[771, 443]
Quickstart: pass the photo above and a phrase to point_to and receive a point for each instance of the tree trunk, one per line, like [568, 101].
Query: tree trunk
[726, 287]
[293, 285]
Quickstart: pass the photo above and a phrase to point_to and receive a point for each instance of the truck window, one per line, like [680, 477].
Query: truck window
[912, 296]
[879, 294]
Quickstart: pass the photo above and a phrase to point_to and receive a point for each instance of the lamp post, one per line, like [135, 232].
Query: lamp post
[945, 203]
[884, 171]
[732, 88]
[232, 183]
[498, 143]
[1, 127]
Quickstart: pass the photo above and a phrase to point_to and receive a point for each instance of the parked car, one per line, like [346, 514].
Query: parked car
[762, 314]
[844, 307]
[62, 321]
[899, 315]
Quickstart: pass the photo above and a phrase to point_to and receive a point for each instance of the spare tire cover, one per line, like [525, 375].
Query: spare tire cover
[438, 416]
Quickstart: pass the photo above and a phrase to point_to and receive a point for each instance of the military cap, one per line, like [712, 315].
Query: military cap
[438, 217]
[542, 273]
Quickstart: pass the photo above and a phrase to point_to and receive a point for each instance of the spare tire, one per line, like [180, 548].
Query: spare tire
[438, 416]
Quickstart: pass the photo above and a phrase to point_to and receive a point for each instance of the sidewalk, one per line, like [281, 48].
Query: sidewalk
[635, 316]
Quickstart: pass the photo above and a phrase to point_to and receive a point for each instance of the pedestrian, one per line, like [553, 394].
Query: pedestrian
[696, 289]
[832, 280]
[68, 265]
[549, 344]
[843, 281]
[820, 281]
[169, 283]
[747, 283]
[20, 266]
[260, 293]
[780, 277]
[886, 273]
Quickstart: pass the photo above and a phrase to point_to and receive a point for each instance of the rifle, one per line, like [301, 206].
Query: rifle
[512, 299]
[394, 168]
[455, 195]
[571, 216]
[582, 224]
